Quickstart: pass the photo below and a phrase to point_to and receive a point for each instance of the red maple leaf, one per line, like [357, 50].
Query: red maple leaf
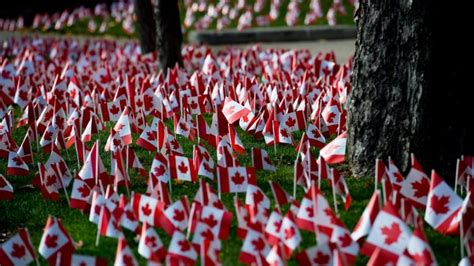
[391, 233]
[258, 197]
[182, 168]
[284, 133]
[439, 204]
[194, 105]
[114, 110]
[205, 155]
[290, 122]
[130, 215]
[183, 126]
[207, 234]
[267, 160]
[185, 246]
[51, 241]
[50, 180]
[150, 136]
[127, 260]
[150, 241]
[148, 100]
[23, 95]
[207, 167]
[146, 209]
[159, 171]
[84, 191]
[330, 117]
[117, 142]
[332, 216]
[97, 209]
[48, 135]
[423, 258]
[18, 250]
[345, 240]
[175, 144]
[245, 119]
[310, 211]
[238, 179]
[258, 244]
[119, 127]
[289, 232]
[210, 221]
[18, 160]
[321, 258]
[104, 79]
[6, 75]
[277, 225]
[178, 215]
[11, 92]
[421, 188]
[326, 70]
[83, 263]
[48, 115]
[139, 103]
[72, 93]
[315, 132]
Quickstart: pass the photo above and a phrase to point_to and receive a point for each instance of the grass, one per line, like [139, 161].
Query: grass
[29, 209]
[115, 29]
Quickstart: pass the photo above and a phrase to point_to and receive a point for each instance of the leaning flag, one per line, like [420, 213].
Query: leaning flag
[6, 189]
[17, 250]
[261, 160]
[233, 111]
[335, 150]
[236, 179]
[150, 245]
[124, 255]
[367, 219]
[443, 205]
[416, 185]
[55, 240]
[16, 166]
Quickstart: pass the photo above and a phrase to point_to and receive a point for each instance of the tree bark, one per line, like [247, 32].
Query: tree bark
[408, 87]
[145, 25]
[169, 36]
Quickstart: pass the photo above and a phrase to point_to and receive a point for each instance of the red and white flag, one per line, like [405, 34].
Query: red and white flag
[6, 189]
[181, 168]
[335, 151]
[147, 209]
[80, 195]
[83, 260]
[235, 141]
[279, 194]
[389, 233]
[150, 245]
[364, 225]
[124, 255]
[416, 185]
[16, 166]
[236, 179]
[17, 250]
[272, 228]
[257, 204]
[419, 249]
[339, 184]
[233, 111]
[203, 162]
[180, 250]
[218, 221]
[176, 216]
[254, 248]
[123, 127]
[315, 137]
[316, 255]
[261, 160]
[289, 234]
[443, 206]
[55, 240]
[293, 121]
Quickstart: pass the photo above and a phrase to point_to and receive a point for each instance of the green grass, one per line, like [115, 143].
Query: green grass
[29, 209]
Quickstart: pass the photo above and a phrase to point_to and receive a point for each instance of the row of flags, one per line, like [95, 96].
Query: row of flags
[71, 91]
[201, 15]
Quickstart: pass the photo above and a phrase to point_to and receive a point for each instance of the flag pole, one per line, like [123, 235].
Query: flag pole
[376, 173]
[333, 182]
[457, 176]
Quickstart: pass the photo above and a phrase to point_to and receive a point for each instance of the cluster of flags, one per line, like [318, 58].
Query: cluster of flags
[199, 15]
[71, 91]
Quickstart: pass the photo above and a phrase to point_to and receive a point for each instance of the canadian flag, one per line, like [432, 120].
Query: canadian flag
[25, 149]
[316, 255]
[48, 180]
[235, 141]
[123, 127]
[389, 233]
[159, 168]
[203, 236]
[339, 184]
[272, 228]
[334, 152]
[55, 240]
[419, 249]
[315, 211]
[257, 204]
[254, 248]
[347, 248]
[147, 209]
[289, 234]
[176, 216]
[49, 136]
[443, 206]
[261, 160]
[181, 168]
[128, 219]
[98, 200]
[315, 137]
[16, 166]
[293, 121]
[80, 195]
[150, 245]
[276, 256]
[331, 114]
[6, 189]
[17, 250]
[416, 185]
[218, 220]
[110, 111]
[233, 111]
[203, 162]
[93, 168]
[183, 126]
[281, 196]
[180, 251]
[367, 219]
[236, 179]
[124, 255]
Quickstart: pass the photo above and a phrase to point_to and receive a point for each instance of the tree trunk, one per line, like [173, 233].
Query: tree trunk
[408, 87]
[169, 36]
[145, 25]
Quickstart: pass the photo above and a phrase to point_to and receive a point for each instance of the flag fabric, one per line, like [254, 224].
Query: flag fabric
[147, 209]
[16, 165]
[233, 111]
[17, 250]
[124, 255]
[261, 160]
[180, 250]
[334, 152]
[150, 245]
[175, 217]
[416, 185]
[6, 189]
[235, 179]
[367, 219]
[181, 168]
[279, 194]
[55, 240]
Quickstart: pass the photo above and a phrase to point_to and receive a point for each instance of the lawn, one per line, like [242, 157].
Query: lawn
[29, 209]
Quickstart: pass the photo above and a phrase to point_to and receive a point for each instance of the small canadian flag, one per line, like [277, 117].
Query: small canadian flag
[176, 216]
[334, 152]
[181, 168]
[150, 245]
[16, 166]
[55, 240]
[181, 251]
[233, 111]
[17, 250]
[261, 160]
[236, 179]
[123, 127]
[124, 255]
[6, 189]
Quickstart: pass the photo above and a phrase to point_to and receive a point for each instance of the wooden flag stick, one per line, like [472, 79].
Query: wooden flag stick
[333, 184]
